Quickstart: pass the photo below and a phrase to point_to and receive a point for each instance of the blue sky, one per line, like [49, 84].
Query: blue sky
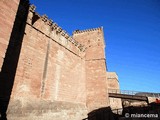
[132, 34]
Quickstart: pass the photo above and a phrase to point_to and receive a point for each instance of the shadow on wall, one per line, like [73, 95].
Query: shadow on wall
[7, 74]
[101, 114]
[150, 112]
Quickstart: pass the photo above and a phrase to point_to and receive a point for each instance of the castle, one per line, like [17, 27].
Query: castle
[44, 72]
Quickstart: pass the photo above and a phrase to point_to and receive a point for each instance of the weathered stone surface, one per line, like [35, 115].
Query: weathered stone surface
[113, 83]
[40, 110]
[8, 10]
[56, 76]
[48, 70]
[96, 79]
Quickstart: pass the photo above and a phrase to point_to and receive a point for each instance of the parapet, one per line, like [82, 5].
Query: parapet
[87, 30]
[51, 29]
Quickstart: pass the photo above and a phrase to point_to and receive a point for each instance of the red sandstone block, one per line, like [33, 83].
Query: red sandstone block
[9, 16]
[3, 42]
[11, 4]
[2, 54]
[5, 30]
[16, 1]
[1, 62]
[20, 71]
[5, 26]
[3, 47]
[7, 23]
[4, 38]
[5, 8]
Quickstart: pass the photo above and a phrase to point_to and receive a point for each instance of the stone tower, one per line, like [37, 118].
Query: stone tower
[96, 79]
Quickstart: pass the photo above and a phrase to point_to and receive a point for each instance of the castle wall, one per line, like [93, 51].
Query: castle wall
[53, 75]
[96, 79]
[113, 84]
[8, 49]
[50, 72]
[8, 10]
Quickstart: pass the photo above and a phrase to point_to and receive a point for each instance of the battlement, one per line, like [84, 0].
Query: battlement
[52, 29]
[87, 30]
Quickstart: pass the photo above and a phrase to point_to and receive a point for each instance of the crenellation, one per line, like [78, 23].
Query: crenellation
[63, 32]
[44, 18]
[87, 30]
[70, 39]
[37, 14]
[73, 41]
[50, 22]
[66, 35]
[54, 26]
[51, 26]
[82, 48]
[32, 8]
[59, 29]
[76, 43]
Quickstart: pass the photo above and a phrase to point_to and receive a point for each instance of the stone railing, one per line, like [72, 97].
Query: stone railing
[137, 93]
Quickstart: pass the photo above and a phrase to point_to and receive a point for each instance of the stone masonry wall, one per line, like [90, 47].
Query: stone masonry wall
[51, 70]
[8, 49]
[113, 83]
[8, 10]
[96, 79]
[50, 74]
